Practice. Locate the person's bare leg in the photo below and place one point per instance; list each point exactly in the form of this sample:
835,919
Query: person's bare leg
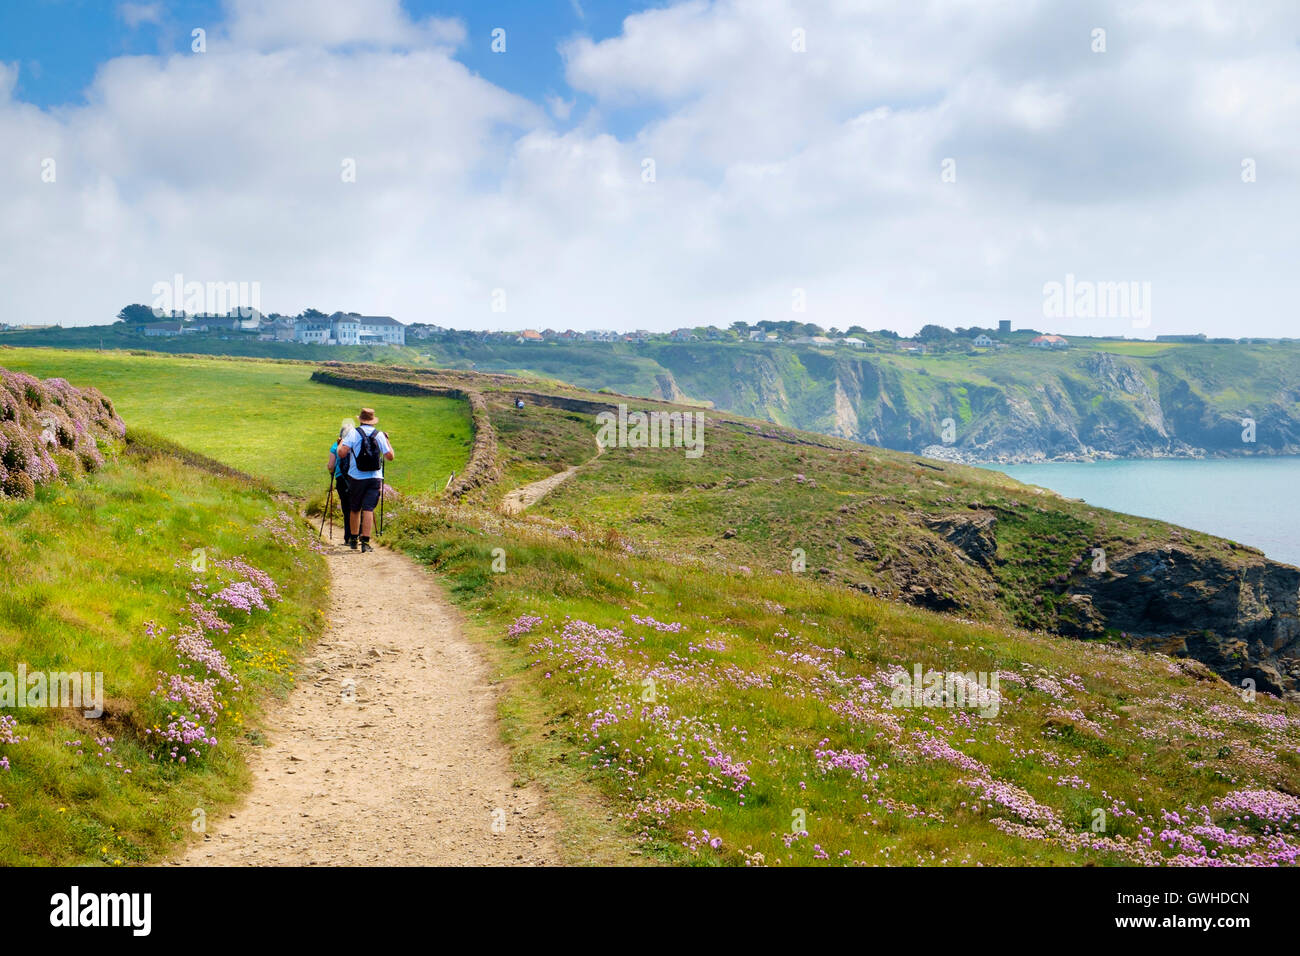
367,523
354,519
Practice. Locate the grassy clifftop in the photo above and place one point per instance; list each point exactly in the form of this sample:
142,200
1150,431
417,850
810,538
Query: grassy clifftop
719,644
1096,398
737,716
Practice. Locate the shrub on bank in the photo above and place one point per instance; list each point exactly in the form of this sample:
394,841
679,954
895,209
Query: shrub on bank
50,429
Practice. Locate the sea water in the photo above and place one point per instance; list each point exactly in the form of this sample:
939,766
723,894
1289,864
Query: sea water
1249,500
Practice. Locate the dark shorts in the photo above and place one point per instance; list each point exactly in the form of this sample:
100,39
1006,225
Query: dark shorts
363,493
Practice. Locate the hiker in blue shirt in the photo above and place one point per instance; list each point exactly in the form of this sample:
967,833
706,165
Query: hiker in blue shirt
365,452
341,482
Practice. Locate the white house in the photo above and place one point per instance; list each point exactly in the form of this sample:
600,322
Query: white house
349,328
312,333
982,341
854,342
1049,342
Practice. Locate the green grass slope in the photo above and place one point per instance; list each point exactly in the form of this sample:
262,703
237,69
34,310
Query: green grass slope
869,518
140,573
745,718
264,418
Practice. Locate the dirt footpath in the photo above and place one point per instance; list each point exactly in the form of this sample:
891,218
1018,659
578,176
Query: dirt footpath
387,751
519,499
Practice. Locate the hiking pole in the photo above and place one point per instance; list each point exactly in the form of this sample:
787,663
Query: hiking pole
382,481
329,497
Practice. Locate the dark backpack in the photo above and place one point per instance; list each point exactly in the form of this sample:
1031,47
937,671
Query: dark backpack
369,454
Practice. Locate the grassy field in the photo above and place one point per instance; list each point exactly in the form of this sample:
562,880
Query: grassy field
264,418
137,571
1141,349
745,718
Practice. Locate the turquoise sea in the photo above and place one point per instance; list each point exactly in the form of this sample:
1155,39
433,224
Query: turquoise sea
1253,501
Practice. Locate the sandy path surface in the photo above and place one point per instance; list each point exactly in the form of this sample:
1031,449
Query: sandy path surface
387,751
522,497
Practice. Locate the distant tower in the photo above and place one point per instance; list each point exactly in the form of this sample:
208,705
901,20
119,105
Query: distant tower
1004,325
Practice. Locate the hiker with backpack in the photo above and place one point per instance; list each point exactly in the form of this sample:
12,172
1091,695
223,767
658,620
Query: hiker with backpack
365,450
337,469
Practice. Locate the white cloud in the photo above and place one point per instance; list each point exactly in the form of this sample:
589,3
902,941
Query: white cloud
774,169
134,14
262,25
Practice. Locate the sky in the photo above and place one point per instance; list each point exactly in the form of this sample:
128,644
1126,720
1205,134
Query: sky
1092,167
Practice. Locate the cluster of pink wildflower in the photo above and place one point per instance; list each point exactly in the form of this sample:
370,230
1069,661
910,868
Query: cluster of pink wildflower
677,766
1265,806
522,625
196,704
736,772
208,619
8,735
254,576
192,646
695,841
674,627
200,701
242,596
582,646
199,697
859,765
284,530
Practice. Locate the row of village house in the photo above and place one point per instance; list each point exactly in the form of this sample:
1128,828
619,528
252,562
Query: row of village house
755,335
341,328
350,328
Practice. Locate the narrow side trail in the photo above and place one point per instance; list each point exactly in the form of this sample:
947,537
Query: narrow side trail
387,751
524,496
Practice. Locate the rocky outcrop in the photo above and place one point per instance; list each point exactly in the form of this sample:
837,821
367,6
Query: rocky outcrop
1232,610
972,535
666,389
1238,617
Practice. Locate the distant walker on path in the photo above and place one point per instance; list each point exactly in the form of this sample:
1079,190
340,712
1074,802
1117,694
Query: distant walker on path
365,452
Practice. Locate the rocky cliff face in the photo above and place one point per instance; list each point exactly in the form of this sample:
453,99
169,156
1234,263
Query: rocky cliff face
1241,620
1019,408
1108,409
1235,612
